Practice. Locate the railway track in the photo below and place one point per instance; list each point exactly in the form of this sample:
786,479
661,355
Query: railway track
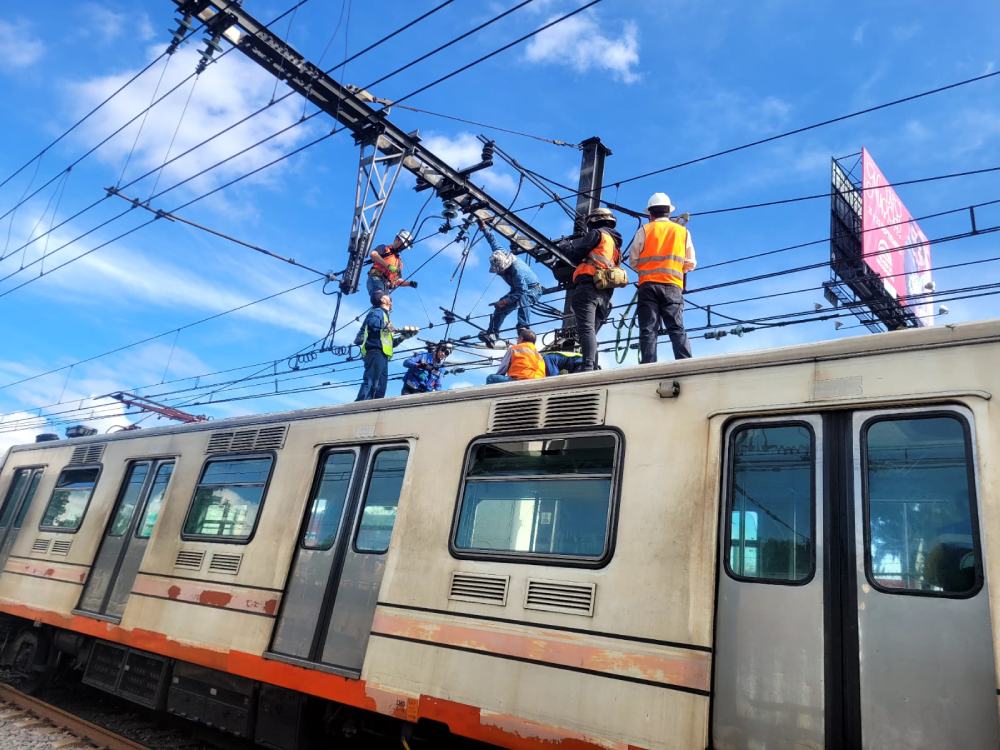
66,731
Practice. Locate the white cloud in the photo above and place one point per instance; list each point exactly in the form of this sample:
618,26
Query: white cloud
19,48
225,93
102,23
19,435
581,43
464,150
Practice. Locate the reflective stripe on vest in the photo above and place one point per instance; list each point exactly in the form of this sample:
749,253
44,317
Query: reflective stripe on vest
605,255
385,335
389,267
664,251
525,362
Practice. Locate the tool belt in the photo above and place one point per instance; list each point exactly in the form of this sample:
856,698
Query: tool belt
610,278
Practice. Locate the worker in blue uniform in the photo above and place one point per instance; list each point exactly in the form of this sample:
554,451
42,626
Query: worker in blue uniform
424,371
525,289
557,363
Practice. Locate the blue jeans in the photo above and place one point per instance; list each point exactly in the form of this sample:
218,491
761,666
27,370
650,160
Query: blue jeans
494,378
523,302
377,284
376,376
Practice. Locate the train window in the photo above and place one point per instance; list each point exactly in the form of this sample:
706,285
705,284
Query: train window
17,485
326,509
228,497
130,496
69,500
152,511
771,503
381,500
920,506
541,498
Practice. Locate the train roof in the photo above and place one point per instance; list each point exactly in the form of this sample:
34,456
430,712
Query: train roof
936,337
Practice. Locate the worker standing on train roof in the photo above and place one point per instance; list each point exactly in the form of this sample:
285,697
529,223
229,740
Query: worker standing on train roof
376,340
521,362
525,289
598,273
662,252
387,265
424,371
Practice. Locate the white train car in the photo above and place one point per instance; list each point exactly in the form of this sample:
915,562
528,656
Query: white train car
783,549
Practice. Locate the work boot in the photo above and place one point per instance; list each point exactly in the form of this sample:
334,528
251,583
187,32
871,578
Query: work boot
488,338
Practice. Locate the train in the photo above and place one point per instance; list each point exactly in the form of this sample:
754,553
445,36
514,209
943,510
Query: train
786,548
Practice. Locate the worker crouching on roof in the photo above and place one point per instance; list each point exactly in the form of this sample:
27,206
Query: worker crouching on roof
387,265
562,363
521,362
423,371
376,341
525,289
598,253
662,252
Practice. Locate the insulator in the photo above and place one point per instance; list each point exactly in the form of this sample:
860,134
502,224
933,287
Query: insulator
488,151
449,210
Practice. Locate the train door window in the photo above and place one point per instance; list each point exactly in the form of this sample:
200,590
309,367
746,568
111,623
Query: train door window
771,523
326,510
17,487
130,496
151,513
228,497
69,500
922,535
545,498
22,511
381,500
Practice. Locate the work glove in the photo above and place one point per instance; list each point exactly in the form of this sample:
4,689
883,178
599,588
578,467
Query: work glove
412,284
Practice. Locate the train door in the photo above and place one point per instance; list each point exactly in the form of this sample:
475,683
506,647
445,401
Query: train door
867,624
125,538
15,507
329,602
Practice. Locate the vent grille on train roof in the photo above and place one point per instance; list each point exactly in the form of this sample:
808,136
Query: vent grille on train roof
41,546
223,563
560,596
61,546
479,587
87,454
189,559
570,409
254,439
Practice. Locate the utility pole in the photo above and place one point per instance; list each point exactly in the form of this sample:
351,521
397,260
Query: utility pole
385,148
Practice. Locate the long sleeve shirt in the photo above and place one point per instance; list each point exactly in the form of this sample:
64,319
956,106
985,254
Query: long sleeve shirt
635,248
579,247
422,372
519,276
505,362
375,321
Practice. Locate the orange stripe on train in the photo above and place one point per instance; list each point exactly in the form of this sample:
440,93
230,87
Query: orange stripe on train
506,730
217,595
46,569
664,664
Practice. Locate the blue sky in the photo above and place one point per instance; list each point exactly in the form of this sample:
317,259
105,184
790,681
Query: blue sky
659,82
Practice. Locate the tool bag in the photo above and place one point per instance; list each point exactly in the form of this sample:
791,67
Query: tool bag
610,278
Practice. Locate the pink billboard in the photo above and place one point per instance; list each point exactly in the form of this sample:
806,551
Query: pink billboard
893,244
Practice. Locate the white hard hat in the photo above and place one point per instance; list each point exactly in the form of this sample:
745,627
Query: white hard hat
404,235
660,200
500,261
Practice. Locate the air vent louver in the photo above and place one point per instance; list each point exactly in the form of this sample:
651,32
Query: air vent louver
41,546
61,546
236,441
222,563
479,587
189,559
87,454
572,409
560,596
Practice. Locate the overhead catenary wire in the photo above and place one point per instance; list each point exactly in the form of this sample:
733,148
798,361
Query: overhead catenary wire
777,136
298,123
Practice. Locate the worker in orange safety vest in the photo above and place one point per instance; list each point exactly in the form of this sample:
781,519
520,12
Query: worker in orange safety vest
387,266
662,252
521,362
